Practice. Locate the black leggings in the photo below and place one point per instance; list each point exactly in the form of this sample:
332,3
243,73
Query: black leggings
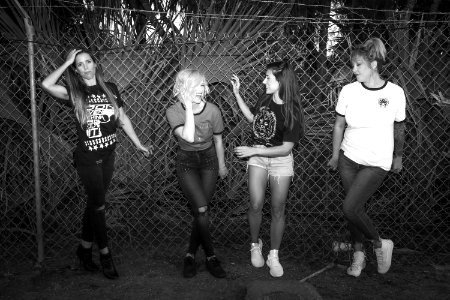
360,183
96,179
197,173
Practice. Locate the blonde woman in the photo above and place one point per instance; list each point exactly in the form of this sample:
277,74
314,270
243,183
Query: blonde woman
197,125
98,108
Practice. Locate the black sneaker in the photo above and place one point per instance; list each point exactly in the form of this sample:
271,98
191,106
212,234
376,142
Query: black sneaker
213,266
189,268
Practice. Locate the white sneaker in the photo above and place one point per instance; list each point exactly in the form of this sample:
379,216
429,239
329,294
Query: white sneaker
384,255
276,270
257,257
358,264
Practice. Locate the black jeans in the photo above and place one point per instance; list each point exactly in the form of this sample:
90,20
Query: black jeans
197,173
360,183
95,179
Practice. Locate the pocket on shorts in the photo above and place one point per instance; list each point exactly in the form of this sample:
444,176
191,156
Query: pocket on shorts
287,160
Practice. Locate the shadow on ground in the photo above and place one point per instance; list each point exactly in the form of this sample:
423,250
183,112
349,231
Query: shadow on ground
144,277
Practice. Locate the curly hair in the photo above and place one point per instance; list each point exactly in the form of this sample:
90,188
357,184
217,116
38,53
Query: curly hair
186,80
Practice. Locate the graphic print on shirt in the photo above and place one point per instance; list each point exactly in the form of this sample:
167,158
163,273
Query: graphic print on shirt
100,111
383,102
265,124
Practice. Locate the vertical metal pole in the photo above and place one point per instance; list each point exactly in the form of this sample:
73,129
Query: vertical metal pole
34,123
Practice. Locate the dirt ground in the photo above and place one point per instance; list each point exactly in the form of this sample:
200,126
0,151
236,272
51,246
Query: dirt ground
157,278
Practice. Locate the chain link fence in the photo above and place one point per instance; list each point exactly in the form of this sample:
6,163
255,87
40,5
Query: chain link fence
146,209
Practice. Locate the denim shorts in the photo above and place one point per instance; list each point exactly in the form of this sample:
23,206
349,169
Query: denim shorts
198,160
275,166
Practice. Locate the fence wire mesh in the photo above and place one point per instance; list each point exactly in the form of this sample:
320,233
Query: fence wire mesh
146,208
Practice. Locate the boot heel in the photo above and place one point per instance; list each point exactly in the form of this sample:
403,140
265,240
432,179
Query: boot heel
108,267
85,257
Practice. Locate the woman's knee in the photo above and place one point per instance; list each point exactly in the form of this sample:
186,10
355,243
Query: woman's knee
278,211
96,197
202,217
96,204
255,207
203,209
201,212
350,210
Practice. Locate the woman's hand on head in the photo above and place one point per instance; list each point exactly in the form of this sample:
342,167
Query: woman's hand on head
235,83
71,55
187,97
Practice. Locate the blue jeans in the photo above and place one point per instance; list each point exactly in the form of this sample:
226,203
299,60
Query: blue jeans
197,173
360,183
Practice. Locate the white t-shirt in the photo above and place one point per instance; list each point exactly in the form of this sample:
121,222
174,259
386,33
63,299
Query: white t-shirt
370,115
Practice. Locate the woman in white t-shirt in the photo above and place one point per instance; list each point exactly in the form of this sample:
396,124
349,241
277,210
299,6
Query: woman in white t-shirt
368,140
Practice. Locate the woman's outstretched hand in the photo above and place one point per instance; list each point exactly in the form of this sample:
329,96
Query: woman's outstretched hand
333,163
244,151
147,151
235,83
223,172
397,164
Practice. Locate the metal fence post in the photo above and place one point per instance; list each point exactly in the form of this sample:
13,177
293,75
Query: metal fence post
37,180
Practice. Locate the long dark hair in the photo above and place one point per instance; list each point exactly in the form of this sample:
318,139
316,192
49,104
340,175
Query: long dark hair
78,90
289,92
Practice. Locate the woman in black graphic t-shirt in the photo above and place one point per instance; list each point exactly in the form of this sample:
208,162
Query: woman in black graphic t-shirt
277,124
98,108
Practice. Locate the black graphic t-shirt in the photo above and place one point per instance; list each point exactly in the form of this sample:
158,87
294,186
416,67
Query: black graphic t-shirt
268,126
98,137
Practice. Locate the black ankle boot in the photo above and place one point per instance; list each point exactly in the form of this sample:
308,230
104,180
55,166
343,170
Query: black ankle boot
214,267
108,267
189,267
85,256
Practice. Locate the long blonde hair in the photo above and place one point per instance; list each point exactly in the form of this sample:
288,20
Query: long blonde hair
78,90
185,81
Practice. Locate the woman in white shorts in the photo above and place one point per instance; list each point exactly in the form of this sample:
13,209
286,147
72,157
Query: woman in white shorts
277,124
